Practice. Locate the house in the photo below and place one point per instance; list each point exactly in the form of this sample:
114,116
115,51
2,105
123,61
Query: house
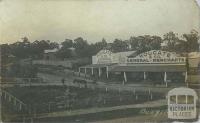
50,54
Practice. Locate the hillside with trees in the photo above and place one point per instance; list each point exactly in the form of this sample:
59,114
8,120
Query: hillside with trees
13,55
79,47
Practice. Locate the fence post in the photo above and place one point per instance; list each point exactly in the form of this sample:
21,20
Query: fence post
14,101
9,98
20,106
31,120
104,101
134,91
119,90
120,98
151,96
24,120
5,95
149,91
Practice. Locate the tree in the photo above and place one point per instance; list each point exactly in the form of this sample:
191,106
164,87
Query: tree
98,46
155,43
25,49
181,46
21,49
192,41
81,47
5,61
134,42
68,43
171,38
119,46
101,45
65,51
38,47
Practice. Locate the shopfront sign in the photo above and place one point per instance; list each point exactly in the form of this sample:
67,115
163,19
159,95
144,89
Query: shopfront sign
157,56
104,57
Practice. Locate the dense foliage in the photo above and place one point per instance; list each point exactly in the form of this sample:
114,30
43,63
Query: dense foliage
79,47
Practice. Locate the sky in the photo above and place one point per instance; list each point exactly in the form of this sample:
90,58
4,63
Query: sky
56,20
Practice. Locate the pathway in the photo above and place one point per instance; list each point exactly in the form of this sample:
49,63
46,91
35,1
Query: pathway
149,104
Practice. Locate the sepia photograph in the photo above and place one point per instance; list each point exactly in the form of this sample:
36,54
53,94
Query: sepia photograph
99,61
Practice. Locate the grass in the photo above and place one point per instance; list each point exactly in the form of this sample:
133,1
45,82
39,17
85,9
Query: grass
38,98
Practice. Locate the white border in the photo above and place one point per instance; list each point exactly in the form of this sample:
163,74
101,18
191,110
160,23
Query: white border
198,2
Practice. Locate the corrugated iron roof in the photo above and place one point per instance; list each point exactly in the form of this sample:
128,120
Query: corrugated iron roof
125,53
97,65
51,51
150,68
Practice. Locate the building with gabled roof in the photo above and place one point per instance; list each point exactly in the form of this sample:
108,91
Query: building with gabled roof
144,66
